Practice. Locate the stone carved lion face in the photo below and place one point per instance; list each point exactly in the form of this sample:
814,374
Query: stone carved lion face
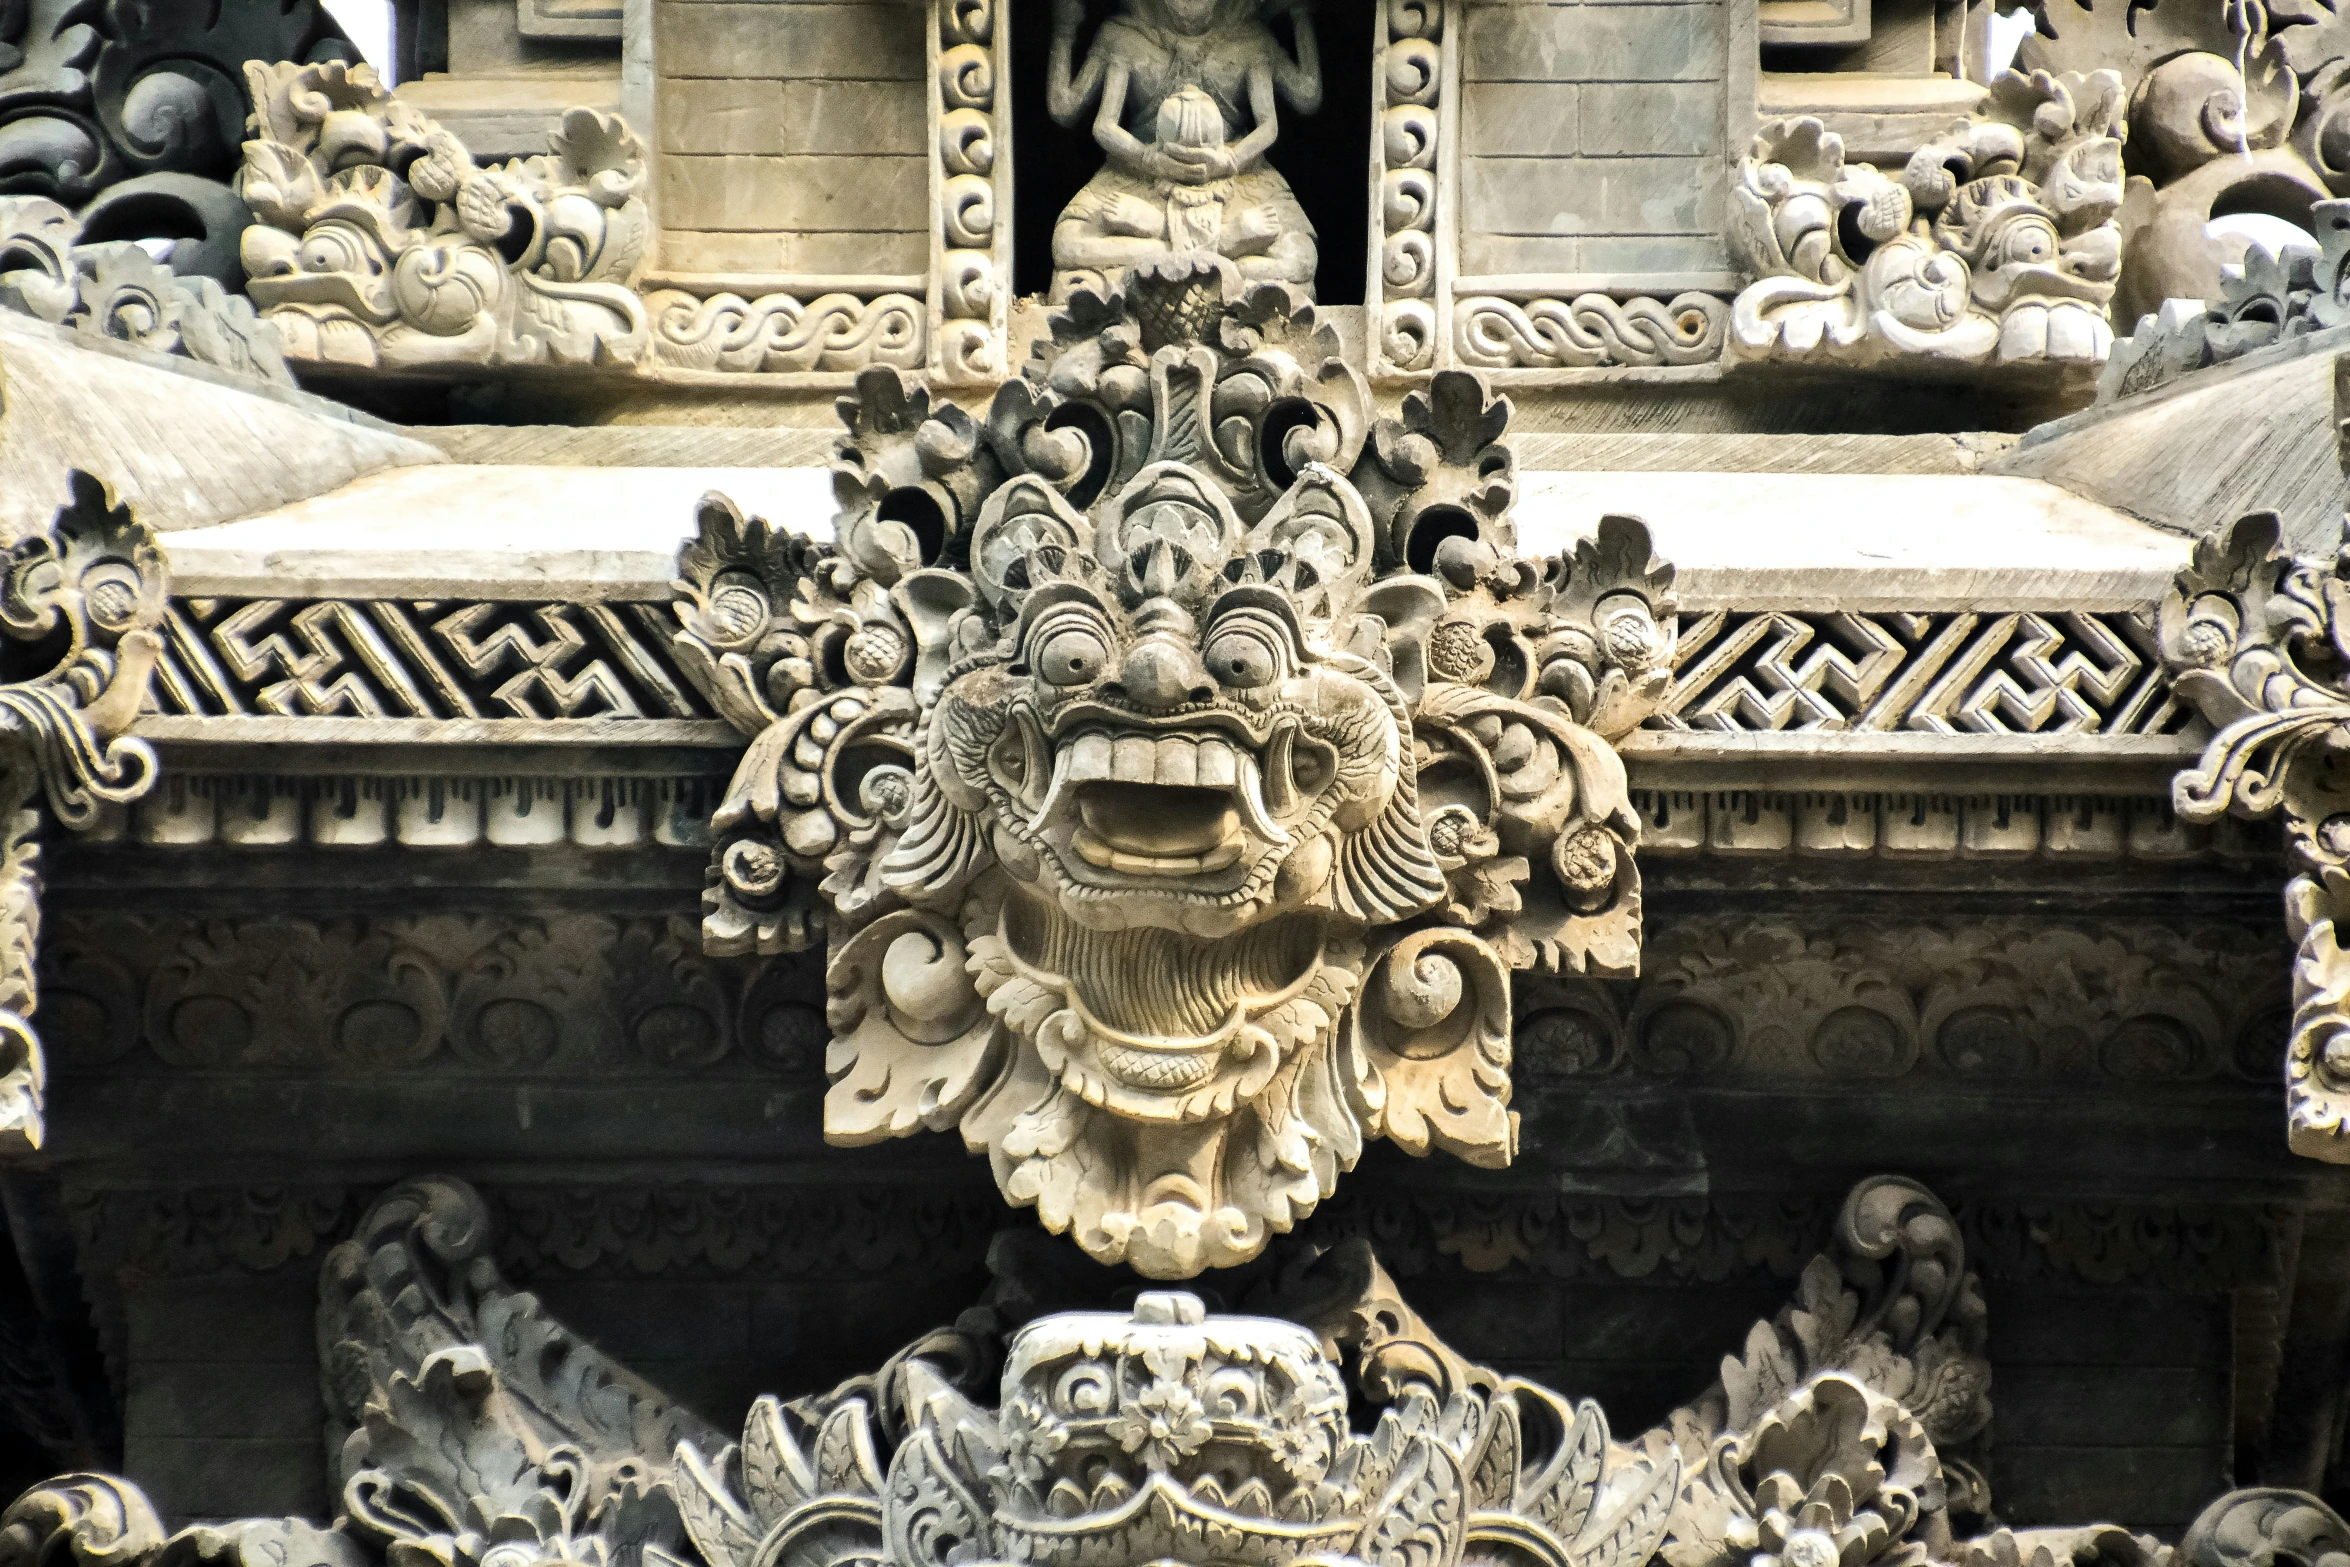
1178,765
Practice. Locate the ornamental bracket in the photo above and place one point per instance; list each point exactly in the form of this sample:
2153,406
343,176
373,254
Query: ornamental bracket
79,605
2259,642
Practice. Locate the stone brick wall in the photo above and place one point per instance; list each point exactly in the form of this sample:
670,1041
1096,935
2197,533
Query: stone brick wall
1591,137
791,137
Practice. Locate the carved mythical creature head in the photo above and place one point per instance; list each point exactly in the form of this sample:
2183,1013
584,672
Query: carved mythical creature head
1184,764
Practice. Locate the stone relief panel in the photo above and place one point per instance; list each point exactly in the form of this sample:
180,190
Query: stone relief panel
2274,297
2252,636
1997,243
1178,665
1850,1425
379,243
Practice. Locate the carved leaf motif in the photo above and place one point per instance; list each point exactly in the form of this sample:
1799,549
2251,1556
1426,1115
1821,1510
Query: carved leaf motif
714,1520
1419,1522
1632,1534
934,1519
1562,1497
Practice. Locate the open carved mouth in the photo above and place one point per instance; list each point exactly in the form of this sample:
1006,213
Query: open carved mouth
1160,803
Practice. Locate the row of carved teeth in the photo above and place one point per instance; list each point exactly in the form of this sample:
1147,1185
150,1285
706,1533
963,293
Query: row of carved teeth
1253,1499
1169,761
1095,852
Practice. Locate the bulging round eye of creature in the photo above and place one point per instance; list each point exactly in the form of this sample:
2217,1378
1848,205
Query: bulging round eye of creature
1246,648
1069,648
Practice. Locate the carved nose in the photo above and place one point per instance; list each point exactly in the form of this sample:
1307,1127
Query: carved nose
1160,673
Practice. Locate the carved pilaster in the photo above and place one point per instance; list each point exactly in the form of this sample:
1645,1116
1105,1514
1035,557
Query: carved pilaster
971,187
79,604
2257,640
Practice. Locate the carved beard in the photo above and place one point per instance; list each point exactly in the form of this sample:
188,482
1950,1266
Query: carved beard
1170,1183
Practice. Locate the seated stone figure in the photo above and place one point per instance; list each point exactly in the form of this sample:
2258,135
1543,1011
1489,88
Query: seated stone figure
1173,79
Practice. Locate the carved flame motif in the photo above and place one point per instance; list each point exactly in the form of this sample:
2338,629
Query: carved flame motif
1177,763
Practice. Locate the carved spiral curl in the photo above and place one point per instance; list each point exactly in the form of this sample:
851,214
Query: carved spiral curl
1407,263
966,77
1407,334
967,350
1407,199
1416,19
967,284
966,142
967,212
1590,329
1408,135
1415,71
966,22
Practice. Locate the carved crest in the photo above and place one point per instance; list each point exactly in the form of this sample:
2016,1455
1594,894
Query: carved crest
1177,763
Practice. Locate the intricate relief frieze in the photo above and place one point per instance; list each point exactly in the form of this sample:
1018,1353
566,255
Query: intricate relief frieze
1588,329
116,290
379,243
525,997
1983,672
1744,997
1996,243
82,599
2253,638
1178,764
401,658
469,1427
776,333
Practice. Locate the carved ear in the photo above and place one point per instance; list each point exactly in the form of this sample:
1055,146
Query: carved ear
1407,608
930,600
913,1042
1435,1025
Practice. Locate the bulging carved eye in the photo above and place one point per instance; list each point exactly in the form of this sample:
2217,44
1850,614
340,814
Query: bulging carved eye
1070,651
1245,649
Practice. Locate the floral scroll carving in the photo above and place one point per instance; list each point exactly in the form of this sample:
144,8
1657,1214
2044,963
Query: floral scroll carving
1996,243
87,594
2255,638
380,243
476,1430
1177,763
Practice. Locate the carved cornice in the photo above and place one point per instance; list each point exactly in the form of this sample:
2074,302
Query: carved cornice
2254,638
1860,1409
81,601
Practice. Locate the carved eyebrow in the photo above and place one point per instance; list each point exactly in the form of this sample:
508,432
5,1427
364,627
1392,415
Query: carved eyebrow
1251,596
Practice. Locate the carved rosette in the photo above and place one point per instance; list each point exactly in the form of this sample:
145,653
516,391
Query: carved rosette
81,601
472,1429
2255,639
1177,763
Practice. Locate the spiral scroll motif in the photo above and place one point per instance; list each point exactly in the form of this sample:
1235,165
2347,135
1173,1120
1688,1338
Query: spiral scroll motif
1411,78
1589,329
966,257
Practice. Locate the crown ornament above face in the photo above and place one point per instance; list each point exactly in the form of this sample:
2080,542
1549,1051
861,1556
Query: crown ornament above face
1177,764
